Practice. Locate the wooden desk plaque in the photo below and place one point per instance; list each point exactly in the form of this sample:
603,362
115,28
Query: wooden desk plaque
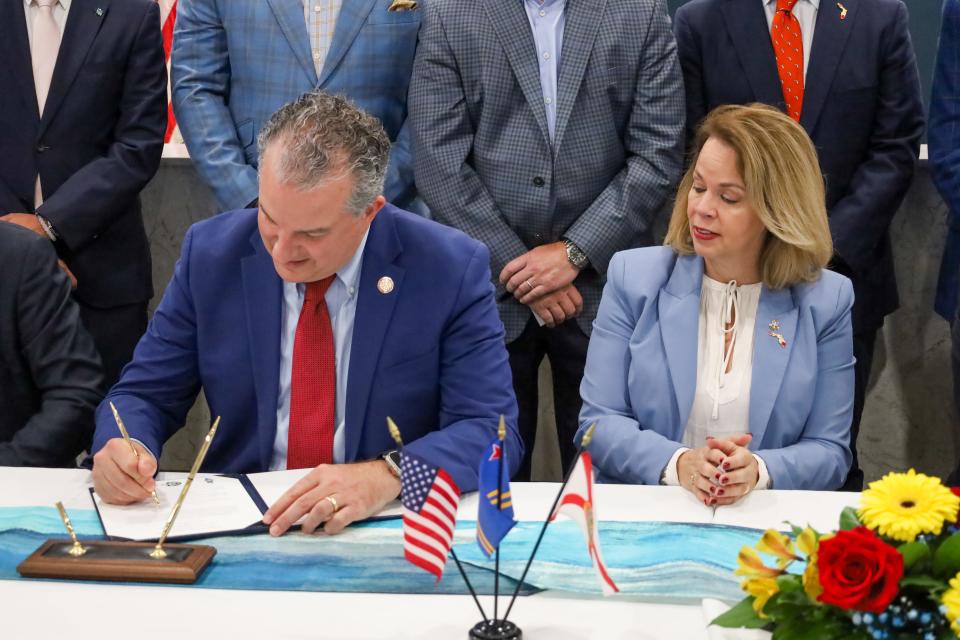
124,561
117,561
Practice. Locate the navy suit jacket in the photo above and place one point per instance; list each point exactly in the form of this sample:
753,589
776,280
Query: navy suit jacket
96,146
430,354
944,137
641,373
861,107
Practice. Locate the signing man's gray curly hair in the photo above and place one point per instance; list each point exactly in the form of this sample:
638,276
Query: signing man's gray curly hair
320,137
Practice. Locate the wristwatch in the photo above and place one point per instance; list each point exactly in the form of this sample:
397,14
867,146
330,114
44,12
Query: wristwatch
575,255
392,458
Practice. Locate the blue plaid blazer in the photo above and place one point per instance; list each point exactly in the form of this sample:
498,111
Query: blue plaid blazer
235,62
483,157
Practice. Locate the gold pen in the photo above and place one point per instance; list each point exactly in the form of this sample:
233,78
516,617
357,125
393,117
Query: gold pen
126,437
158,551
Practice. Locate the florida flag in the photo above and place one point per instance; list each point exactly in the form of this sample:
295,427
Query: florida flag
495,514
430,498
576,502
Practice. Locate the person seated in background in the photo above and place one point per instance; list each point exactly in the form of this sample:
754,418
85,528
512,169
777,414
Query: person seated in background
310,320
50,373
723,361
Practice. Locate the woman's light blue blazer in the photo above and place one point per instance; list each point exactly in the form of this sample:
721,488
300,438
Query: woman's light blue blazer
641,373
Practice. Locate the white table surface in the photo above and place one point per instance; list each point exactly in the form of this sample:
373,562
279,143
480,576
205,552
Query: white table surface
41,609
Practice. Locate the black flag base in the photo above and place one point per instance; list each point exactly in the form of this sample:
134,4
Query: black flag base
495,630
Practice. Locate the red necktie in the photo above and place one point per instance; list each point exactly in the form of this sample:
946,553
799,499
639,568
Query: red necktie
788,48
313,383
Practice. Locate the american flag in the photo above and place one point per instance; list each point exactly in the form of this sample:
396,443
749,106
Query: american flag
430,498
168,16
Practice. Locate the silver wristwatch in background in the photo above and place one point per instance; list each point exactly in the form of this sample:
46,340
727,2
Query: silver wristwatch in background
575,255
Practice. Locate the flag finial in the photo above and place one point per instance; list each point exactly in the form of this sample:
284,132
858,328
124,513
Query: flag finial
588,436
394,431
502,430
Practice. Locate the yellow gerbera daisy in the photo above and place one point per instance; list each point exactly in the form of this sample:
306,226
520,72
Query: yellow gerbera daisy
951,600
762,589
904,505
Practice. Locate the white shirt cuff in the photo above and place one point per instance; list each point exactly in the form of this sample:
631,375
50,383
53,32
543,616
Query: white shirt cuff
764,481
669,476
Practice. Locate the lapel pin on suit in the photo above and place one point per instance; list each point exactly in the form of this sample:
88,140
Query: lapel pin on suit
843,11
774,332
99,12
402,5
385,285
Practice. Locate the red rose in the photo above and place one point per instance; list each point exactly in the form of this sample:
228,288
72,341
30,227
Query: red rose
858,570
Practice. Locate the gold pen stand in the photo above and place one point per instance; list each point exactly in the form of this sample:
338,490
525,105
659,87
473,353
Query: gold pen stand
118,561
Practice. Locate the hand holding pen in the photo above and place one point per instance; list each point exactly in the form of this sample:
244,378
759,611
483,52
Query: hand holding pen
120,478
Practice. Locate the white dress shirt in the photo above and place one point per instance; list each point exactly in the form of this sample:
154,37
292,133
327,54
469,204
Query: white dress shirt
721,402
806,13
341,299
60,11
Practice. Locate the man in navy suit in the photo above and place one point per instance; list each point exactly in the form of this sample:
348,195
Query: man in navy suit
310,320
83,109
944,137
860,103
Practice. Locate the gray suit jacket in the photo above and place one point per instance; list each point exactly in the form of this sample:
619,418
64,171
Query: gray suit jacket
484,162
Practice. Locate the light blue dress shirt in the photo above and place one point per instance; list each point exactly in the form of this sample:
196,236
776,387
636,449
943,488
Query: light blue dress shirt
341,299
547,21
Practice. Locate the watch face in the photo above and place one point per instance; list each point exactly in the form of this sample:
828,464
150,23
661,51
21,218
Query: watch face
393,461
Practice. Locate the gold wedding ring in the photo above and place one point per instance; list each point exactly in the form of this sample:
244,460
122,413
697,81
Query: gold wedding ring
693,479
529,286
333,503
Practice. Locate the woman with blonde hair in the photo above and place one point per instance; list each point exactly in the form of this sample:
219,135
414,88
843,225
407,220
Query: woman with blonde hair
723,361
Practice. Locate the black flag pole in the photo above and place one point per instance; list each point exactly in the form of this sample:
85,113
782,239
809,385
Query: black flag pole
496,629
395,434
501,435
584,442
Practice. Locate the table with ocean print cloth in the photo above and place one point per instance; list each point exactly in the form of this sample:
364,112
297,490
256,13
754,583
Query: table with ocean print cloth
671,557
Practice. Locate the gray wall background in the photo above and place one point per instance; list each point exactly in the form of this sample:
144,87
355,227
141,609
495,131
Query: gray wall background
908,420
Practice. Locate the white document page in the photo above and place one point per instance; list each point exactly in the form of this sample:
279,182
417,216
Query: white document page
213,505
273,484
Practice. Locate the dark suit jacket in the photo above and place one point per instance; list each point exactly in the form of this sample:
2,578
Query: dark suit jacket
98,143
49,370
861,106
944,137
429,353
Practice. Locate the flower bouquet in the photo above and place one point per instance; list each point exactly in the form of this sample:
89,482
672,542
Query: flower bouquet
891,571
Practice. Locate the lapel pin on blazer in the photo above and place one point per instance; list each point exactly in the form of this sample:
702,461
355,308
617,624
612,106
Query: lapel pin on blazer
843,11
99,12
402,5
385,285
774,332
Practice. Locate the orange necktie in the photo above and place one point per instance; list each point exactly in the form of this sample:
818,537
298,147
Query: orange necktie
313,383
788,48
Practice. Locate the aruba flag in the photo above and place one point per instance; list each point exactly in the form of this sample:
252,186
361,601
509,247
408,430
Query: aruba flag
493,523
